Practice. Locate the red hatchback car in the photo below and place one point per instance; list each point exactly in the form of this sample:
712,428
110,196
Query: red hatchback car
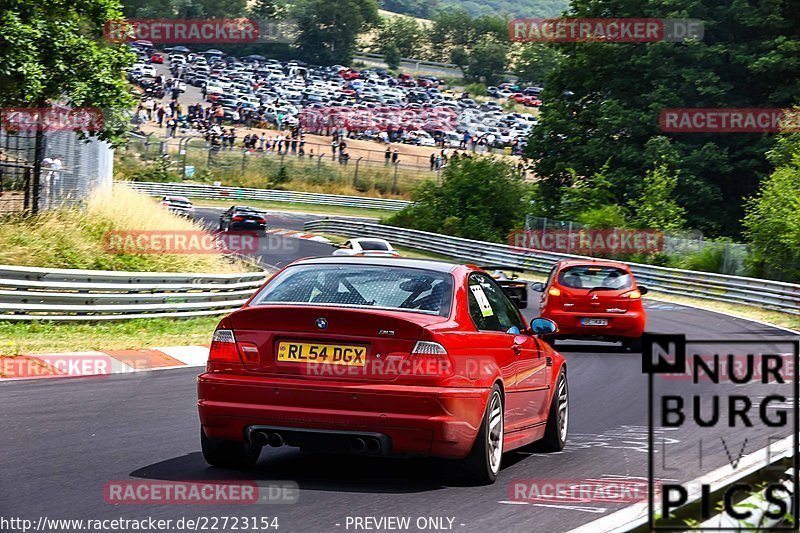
594,299
382,356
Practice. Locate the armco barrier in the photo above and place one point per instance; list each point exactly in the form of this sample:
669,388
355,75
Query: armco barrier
241,193
28,293
767,294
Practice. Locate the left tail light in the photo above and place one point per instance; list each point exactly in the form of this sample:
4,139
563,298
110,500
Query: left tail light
430,359
633,295
223,348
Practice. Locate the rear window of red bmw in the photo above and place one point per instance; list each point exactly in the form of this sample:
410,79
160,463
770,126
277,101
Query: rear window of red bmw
594,277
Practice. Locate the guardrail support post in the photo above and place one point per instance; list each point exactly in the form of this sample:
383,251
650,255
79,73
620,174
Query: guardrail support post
147,145
355,175
184,151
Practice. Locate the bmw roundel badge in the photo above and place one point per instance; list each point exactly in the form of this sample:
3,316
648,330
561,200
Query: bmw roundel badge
322,323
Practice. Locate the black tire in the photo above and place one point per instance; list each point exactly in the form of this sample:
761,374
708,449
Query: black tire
482,464
555,435
632,345
227,453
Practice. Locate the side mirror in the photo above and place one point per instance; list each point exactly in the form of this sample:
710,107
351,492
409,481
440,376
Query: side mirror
643,290
539,286
543,326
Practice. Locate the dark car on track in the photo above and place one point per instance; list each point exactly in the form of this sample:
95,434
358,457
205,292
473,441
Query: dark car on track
382,356
242,217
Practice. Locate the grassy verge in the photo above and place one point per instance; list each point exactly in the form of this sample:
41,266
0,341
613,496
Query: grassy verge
76,237
44,337
300,207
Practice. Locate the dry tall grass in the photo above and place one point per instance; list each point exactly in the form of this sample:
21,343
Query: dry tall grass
75,237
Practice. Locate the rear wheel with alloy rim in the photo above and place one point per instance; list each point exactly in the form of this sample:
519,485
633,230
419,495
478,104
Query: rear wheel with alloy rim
555,434
483,461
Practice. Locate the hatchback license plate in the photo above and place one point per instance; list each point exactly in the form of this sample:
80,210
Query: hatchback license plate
332,354
594,321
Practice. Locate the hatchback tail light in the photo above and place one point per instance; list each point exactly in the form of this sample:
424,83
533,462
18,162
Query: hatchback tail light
633,295
223,348
554,291
238,218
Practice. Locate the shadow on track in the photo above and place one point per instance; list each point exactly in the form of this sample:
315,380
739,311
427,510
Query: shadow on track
318,471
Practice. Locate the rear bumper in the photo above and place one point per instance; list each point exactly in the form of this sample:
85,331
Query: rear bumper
628,325
416,420
247,226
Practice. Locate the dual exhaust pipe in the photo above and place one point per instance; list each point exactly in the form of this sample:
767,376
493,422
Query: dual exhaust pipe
263,438
365,445
358,445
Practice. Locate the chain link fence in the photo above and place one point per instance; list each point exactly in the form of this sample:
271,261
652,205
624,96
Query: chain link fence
68,169
316,165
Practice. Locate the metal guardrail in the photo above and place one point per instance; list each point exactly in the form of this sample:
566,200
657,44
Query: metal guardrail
243,193
28,293
779,296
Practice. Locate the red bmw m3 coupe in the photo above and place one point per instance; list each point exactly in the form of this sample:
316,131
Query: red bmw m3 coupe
382,356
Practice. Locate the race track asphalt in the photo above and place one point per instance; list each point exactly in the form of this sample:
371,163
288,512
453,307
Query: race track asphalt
63,440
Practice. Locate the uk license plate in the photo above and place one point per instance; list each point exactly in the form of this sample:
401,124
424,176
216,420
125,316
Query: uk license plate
332,354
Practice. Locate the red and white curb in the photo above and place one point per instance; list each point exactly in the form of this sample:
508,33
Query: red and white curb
93,363
299,235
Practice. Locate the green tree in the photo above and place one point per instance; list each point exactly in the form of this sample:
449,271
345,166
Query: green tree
605,98
404,32
479,199
328,30
534,61
657,208
772,223
264,9
486,61
392,56
460,57
55,52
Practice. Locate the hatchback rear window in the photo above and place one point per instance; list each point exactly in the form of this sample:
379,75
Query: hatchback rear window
595,277
381,287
